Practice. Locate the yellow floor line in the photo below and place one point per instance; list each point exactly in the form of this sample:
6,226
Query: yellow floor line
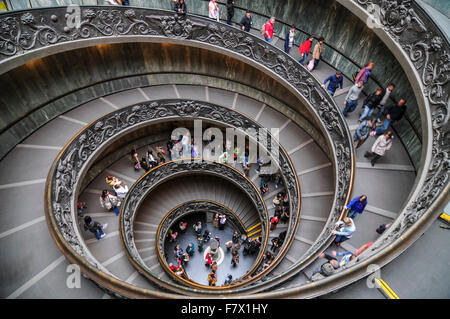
387,289
253,227
445,217
255,232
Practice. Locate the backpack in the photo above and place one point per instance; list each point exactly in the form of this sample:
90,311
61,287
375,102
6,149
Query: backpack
354,75
263,29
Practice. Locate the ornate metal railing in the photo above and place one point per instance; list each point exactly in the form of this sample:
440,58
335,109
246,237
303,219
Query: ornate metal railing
173,169
188,208
73,162
424,53
406,29
44,31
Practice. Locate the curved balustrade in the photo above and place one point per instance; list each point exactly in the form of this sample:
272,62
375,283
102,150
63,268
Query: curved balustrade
188,208
71,164
142,187
337,57
425,54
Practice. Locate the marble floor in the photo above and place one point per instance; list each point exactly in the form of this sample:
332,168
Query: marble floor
196,268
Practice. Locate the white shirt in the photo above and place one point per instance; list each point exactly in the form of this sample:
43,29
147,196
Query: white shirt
213,10
385,97
121,191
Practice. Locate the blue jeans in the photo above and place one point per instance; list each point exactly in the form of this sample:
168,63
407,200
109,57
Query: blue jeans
99,233
350,106
380,111
302,60
353,214
367,112
385,126
316,62
259,167
267,39
331,90
340,238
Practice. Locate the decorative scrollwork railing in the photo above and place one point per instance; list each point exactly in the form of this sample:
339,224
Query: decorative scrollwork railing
419,43
71,164
45,30
188,208
173,169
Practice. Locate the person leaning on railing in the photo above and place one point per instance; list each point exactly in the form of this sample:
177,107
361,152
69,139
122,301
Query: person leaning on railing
344,230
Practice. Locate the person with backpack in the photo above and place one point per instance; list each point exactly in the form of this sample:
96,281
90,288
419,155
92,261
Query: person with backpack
364,73
267,29
305,49
356,206
362,132
351,100
289,39
379,148
344,230
335,81
246,22
94,227
370,103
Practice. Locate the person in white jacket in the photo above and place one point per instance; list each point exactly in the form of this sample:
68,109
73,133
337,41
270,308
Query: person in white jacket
381,145
121,190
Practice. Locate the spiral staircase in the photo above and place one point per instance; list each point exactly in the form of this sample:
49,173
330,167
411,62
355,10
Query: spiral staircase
59,151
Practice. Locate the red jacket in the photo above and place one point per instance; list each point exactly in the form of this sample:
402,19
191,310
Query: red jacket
268,29
305,47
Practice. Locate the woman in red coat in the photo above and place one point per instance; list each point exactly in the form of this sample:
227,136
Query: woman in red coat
305,49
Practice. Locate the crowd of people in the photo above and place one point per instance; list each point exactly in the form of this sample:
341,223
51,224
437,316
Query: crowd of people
376,116
236,244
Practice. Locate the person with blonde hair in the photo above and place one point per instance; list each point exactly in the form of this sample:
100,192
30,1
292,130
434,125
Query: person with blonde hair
344,230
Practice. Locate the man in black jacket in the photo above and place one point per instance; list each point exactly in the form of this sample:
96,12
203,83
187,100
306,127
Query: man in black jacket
246,22
394,113
371,103
230,11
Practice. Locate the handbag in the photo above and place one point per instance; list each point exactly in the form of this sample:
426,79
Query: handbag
116,209
311,65
137,166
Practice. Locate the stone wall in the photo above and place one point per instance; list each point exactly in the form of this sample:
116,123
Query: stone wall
45,88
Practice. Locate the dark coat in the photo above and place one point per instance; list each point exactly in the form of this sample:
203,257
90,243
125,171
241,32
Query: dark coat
396,112
373,100
246,22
